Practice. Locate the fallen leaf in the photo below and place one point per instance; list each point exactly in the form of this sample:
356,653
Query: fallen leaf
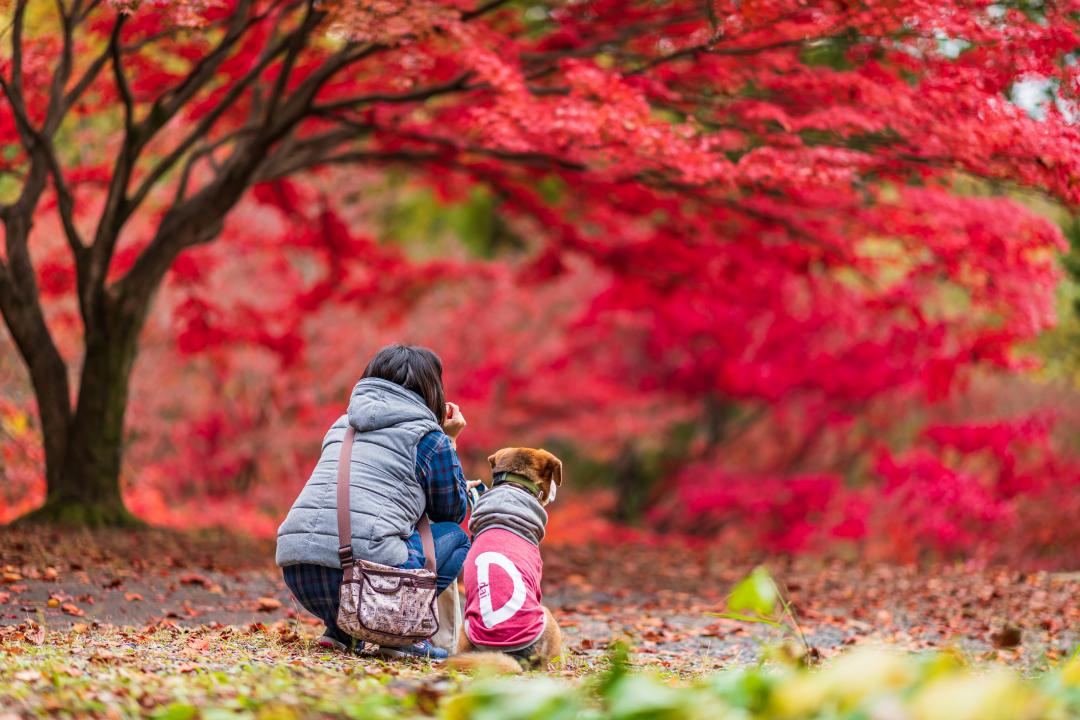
194,579
199,644
36,636
53,603
1009,636
11,577
71,609
133,597
268,604
27,675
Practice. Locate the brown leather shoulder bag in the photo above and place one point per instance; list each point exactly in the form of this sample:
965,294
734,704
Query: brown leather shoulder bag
382,604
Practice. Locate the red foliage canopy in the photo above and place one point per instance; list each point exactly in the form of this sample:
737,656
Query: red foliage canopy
769,204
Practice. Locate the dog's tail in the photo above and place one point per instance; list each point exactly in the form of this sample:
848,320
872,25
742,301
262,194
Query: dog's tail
496,663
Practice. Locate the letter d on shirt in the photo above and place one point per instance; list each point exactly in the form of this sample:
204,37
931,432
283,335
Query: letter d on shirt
490,616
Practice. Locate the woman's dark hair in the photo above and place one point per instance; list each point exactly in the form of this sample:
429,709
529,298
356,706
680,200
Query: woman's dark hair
414,368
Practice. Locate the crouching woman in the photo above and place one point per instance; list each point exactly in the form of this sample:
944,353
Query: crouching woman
404,464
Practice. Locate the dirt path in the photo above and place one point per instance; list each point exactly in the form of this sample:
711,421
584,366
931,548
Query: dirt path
659,599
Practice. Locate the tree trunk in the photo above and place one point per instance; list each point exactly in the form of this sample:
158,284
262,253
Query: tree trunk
84,482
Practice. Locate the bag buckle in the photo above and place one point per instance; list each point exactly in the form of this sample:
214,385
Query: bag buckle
345,555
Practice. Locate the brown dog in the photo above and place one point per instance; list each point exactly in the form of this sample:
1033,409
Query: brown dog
508,524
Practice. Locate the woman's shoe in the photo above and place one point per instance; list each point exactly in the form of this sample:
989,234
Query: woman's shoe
330,643
419,650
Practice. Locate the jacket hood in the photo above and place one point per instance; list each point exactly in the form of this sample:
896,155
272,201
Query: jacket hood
511,508
376,404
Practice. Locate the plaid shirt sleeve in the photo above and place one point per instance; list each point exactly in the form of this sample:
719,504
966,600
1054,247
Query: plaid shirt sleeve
439,471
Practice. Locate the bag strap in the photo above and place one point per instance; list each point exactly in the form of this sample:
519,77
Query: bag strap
344,516
424,526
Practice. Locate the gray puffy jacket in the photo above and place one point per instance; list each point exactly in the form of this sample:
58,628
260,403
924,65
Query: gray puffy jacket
385,497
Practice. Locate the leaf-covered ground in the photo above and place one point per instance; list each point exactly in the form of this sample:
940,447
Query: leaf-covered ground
154,620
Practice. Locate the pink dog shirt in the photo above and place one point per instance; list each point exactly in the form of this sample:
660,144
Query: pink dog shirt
502,591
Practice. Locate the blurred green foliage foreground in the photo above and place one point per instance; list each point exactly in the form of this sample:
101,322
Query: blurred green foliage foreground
863,684
177,675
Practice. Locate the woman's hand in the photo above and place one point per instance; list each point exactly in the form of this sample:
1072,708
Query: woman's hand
455,421
474,489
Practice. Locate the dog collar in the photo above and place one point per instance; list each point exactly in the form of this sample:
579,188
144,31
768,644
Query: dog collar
509,478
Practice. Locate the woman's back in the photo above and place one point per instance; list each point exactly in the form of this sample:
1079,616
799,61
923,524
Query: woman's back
386,499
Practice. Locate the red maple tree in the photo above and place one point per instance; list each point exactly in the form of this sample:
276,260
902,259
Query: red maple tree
769,192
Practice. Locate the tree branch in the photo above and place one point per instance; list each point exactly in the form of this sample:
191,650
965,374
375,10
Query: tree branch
117,205
458,83
14,90
198,218
295,44
207,122
20,301
194,157
122,87
83,83
482,9
173,99
38,143
91,6
306,153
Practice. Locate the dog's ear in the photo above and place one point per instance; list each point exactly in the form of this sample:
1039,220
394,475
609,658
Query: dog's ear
553,467
492,459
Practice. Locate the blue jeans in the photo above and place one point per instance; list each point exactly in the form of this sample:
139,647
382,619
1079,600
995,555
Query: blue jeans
317,588
451,546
